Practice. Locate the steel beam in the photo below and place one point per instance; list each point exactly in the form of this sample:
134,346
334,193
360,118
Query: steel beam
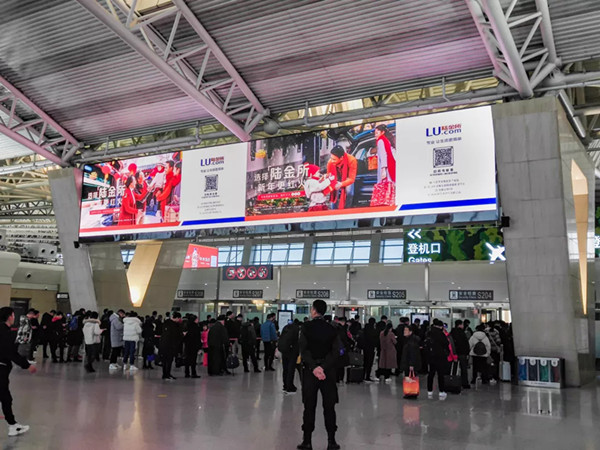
512,64
164,55
32,133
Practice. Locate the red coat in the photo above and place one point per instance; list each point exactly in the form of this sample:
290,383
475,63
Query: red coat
391,161
128,210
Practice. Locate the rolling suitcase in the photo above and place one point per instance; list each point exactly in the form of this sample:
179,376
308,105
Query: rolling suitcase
505,374
453,383
354,374
356,359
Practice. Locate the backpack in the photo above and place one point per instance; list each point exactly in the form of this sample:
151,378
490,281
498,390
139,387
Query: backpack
232,362
479,348
245,334
73,324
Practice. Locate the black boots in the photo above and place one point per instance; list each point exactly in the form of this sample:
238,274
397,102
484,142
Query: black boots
331,443
306,442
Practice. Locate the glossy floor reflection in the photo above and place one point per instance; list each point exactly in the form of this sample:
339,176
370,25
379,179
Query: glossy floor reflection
68,409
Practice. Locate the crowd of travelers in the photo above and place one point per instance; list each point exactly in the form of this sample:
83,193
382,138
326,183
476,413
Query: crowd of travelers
420,348
352,350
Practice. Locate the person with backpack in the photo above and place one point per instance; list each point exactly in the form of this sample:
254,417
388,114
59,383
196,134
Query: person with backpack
480,351
496,350
75,336
289,348
248,342
438,351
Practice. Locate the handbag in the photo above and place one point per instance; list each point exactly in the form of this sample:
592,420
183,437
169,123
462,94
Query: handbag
384,194
410,385
372,163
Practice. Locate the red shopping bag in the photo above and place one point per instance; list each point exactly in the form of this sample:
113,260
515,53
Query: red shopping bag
384,194
410,385
205,359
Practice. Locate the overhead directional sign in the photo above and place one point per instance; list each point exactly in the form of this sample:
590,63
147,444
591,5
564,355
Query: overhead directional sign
415,234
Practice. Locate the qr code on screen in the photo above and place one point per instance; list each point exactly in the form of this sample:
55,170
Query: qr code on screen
211,183
443,157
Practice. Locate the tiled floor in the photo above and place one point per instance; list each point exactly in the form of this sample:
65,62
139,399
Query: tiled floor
68,409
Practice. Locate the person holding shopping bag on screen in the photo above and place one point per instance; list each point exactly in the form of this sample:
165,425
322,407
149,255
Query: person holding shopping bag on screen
384,192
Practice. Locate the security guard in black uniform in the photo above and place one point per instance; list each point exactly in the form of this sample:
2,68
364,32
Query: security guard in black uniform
320,350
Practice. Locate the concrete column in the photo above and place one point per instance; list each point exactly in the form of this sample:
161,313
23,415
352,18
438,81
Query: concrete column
8,266
549,248
247,251
375,247
65,185
309,242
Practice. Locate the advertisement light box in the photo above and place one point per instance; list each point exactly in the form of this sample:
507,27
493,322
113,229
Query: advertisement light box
201,257
430,164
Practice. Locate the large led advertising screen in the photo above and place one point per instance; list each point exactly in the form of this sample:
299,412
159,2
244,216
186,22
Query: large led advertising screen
430,164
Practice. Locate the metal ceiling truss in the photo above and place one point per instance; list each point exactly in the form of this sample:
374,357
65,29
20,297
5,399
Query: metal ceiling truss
38,132
170,55
525,65
27,208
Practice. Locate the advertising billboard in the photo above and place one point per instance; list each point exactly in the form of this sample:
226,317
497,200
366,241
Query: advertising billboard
201,257
135,193
431,164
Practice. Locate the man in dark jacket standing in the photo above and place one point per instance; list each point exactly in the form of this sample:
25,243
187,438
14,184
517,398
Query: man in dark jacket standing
192,343
8,355
248,341
438,351
218,342
46,324
370,341
319,349
170,342
461,344
289,346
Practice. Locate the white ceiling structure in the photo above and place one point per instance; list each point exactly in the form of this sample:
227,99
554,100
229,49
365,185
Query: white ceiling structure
80,77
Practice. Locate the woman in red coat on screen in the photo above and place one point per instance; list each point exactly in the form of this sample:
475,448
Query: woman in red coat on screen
128,209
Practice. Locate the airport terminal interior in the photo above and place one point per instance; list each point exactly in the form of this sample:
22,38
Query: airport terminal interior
216,215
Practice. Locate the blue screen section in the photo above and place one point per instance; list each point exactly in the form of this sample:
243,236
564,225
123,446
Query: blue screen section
448,204
209,221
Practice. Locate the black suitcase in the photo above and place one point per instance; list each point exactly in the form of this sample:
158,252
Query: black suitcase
453,383
354,374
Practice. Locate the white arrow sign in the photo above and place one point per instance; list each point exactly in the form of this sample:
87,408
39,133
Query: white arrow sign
415,234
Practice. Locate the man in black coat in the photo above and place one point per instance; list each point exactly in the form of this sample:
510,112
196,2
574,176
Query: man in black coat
46,323
248,342
319,349
170,342
218,343
370,341
461,345
8,355
289,346
192,342
438,351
